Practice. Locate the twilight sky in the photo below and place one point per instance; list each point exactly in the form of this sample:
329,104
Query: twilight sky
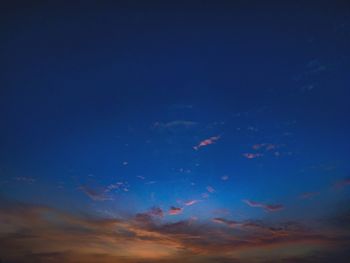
175,131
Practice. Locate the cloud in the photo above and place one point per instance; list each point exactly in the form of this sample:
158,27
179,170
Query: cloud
30,233
225,177
210,189
94,195
264,146
252,155
116,187
207,142
25,179
156,211
175,210
266,207
174,125
205,195
229,223
191,202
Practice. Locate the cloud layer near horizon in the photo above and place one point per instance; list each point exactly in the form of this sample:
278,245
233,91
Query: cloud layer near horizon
42,234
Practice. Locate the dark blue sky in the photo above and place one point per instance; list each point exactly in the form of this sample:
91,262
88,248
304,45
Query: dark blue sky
241,107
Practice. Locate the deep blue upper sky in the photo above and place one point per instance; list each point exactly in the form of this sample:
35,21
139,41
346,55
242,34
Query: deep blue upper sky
101,106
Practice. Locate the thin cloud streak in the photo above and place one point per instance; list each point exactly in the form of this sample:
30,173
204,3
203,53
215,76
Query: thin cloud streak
206,142
266,207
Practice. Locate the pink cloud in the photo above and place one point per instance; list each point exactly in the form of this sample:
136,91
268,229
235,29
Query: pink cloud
252,155
207,142
210,189
175,210
266,207
191,202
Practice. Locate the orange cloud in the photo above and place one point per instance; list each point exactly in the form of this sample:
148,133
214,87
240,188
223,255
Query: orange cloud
42,234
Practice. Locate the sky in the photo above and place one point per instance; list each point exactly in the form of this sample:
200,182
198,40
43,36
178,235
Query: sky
174,131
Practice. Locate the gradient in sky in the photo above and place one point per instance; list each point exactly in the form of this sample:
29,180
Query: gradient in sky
175,131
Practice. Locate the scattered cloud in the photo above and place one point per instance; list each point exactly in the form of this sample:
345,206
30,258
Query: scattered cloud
252,155
229,223
265,146
118,186
205,195
207,142
191,202
174,125
153,212
32,233
95,195
225,177
25,179
266,207
175,210
210,189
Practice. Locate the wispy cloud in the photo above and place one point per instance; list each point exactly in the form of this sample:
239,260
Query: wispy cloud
174,125
252,155
152,212
265,146
25,179
210,189
207,142
95,195
175,210
266,207
225,177
118,186
191,202
229,223
205,195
